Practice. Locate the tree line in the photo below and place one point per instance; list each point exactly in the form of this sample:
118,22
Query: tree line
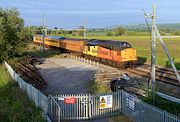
13,34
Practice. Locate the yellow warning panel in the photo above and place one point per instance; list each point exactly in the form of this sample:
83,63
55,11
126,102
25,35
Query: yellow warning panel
106,101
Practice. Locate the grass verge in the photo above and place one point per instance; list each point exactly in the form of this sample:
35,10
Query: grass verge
97,87
163,104
15,106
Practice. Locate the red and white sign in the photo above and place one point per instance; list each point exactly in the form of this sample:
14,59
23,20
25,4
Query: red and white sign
70,100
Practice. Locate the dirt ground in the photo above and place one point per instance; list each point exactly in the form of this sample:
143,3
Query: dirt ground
69,76
66,76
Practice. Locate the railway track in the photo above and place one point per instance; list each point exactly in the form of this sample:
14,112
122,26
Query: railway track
165,75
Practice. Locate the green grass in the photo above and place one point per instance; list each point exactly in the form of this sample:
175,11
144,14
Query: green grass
14,104
35,51
97,87
142,45
163,104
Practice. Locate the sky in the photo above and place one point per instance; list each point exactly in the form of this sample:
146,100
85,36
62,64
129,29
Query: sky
98,13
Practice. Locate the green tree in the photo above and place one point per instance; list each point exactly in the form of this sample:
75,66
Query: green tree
80,32
109,33
13,35
36,29
120,31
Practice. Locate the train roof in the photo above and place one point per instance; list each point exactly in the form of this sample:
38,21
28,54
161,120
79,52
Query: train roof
53,37
75,39
111,44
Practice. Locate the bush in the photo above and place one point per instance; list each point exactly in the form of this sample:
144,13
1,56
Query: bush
109,33
119,31
97,87
80,33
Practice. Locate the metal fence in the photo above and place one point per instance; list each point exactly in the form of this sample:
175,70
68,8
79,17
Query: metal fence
34,94
140,111
89,107
86,106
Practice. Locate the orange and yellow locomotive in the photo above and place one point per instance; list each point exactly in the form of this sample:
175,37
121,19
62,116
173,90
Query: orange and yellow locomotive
109,51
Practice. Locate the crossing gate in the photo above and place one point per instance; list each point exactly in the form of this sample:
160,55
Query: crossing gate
84,106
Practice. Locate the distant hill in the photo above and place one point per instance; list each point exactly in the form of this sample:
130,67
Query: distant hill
174,26
141,27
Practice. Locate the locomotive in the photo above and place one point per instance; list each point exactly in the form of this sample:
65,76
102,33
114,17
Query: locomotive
116,53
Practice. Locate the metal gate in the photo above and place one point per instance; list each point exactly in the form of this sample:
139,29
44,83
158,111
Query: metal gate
73,107
84,106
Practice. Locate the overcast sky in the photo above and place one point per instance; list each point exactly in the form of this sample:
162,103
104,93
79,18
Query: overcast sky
99,13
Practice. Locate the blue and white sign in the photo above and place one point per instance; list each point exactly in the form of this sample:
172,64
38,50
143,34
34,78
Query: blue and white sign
130,102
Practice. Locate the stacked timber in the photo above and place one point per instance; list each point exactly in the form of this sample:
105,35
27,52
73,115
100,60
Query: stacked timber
32,75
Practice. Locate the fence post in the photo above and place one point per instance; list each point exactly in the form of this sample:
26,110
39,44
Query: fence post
89,104
21,83
38,102
139,120
164,116
59,118
13,75
122,101
49,107
30,92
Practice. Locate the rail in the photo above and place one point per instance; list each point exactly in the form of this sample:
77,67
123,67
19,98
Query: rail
162,75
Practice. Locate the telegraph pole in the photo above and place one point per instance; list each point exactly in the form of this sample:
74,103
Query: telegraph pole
84,27
44,33
153,52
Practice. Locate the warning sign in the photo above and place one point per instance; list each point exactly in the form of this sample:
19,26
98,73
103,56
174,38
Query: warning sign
106,101
70,100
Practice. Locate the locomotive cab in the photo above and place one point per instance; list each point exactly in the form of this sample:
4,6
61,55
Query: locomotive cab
128,54
90,50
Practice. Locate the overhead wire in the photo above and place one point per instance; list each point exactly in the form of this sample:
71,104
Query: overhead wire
101,19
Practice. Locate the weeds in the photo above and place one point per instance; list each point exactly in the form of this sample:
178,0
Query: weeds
14,104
